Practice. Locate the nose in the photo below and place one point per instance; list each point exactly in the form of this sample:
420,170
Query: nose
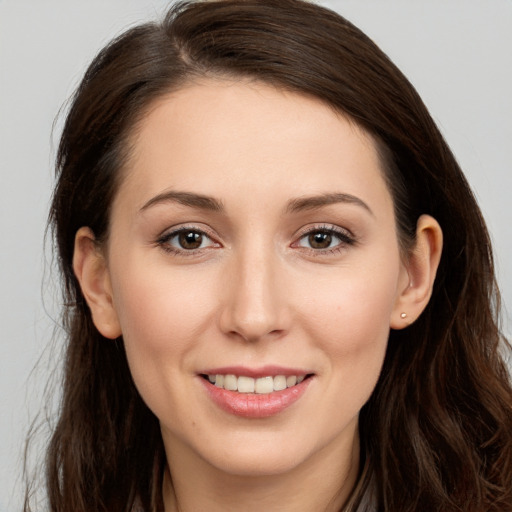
254,305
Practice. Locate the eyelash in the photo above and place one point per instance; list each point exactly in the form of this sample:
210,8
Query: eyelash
164,241
344,236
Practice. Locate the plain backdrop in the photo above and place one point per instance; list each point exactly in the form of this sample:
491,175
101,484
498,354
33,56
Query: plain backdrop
457,53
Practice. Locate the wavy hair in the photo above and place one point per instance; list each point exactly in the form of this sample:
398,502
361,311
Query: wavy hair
438,428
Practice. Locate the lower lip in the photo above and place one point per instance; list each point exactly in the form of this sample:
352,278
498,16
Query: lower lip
252,405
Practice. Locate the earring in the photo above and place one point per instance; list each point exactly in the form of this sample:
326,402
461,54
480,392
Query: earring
403,315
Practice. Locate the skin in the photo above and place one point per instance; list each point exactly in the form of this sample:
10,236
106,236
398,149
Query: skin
256,292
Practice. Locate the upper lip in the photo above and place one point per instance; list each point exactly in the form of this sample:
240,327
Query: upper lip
262,371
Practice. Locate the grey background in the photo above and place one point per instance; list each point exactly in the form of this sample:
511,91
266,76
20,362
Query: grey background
458,54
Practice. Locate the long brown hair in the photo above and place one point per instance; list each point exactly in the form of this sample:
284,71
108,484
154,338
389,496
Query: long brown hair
437,430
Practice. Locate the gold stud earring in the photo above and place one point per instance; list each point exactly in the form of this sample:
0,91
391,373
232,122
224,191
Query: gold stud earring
403,315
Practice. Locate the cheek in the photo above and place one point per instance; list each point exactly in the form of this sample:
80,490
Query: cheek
350,319
353,303
161,314
161,303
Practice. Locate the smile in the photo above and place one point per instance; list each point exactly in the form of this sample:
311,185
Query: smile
261,385
261,396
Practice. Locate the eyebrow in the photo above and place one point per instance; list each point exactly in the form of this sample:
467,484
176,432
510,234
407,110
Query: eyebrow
295,205
317,201
186,199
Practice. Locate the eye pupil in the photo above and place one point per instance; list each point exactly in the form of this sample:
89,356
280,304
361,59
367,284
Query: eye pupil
190,239
320,240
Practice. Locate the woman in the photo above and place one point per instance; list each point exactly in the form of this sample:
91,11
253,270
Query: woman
280,288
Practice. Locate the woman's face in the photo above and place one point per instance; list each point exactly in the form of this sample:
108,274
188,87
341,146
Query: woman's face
253,241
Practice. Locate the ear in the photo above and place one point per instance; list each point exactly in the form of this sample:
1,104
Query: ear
91,270
419,272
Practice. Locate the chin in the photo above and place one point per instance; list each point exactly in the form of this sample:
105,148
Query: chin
273,452
259,462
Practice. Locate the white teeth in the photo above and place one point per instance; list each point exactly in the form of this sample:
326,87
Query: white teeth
262,385
245,384
219,381
279,383
291,381
230,382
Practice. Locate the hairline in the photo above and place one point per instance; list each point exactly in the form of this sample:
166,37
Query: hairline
130,134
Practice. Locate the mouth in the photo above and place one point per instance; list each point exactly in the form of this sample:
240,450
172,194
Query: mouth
267,393
250,385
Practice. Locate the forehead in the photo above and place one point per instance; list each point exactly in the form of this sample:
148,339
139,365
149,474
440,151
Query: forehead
219,137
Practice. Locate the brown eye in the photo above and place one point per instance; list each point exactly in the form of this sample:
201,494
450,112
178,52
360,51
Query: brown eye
185,240
325,240
190,240
320,240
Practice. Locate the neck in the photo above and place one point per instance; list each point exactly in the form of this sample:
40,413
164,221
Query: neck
322,483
